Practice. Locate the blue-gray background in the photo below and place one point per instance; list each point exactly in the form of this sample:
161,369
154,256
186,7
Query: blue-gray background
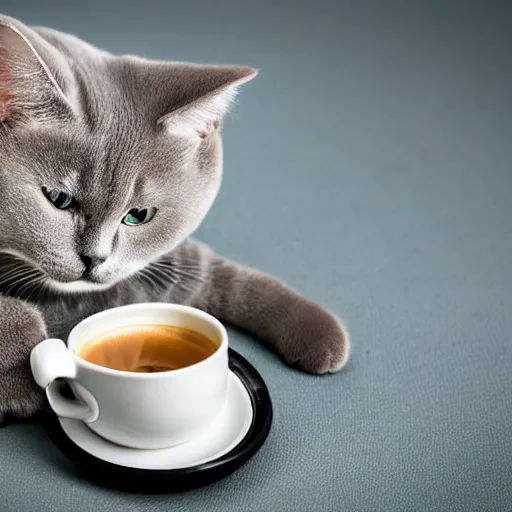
370,166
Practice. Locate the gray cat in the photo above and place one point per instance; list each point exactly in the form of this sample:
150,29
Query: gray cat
107,166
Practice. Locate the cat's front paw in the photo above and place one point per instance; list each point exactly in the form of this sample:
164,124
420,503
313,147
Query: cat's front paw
21,328
314,340
20,396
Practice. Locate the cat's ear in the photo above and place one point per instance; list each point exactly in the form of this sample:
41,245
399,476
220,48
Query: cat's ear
201,96
36,83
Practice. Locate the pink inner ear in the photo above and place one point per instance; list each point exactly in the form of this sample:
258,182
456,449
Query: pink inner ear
5,93
211,127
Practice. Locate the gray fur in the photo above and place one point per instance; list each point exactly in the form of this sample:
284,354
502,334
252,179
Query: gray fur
121,132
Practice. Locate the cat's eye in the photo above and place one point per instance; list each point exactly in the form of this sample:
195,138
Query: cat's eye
61,199
137,216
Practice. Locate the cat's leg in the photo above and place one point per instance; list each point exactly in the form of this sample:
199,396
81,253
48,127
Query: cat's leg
303,333
21,328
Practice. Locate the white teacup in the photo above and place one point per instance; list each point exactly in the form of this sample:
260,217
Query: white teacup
139,410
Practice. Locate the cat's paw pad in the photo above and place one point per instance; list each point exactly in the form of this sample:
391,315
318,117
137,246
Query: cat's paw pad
316,342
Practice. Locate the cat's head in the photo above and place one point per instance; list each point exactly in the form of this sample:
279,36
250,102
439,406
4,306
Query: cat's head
106,163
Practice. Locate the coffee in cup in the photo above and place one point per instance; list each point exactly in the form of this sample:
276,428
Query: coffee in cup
144,375
148,348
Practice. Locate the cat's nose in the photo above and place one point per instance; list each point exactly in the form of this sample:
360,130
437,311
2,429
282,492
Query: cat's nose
91,262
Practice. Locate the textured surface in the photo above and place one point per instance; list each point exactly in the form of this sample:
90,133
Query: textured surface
375,150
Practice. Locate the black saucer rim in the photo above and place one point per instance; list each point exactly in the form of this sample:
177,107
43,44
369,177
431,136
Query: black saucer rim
138,480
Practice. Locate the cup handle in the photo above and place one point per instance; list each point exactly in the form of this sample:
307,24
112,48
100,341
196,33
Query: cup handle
50,360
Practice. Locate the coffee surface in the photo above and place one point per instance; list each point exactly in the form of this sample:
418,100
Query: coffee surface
148,348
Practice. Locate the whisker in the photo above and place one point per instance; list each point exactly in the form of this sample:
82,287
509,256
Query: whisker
144,279
18,282
184,273
41,287
196,262
14,274
186,288
176,264
166,273
28,283
149,277
164,281
186,270
135,279
33,287
18,277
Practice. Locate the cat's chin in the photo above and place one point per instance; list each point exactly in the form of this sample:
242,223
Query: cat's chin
79,286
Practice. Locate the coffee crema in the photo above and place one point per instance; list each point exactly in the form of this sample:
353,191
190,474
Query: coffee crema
148,348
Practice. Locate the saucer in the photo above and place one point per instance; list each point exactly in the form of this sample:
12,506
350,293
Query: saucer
232,439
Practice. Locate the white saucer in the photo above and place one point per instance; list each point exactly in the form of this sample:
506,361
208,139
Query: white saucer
234,437
226,432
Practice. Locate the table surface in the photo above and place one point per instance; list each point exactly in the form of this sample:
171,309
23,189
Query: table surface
370,167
